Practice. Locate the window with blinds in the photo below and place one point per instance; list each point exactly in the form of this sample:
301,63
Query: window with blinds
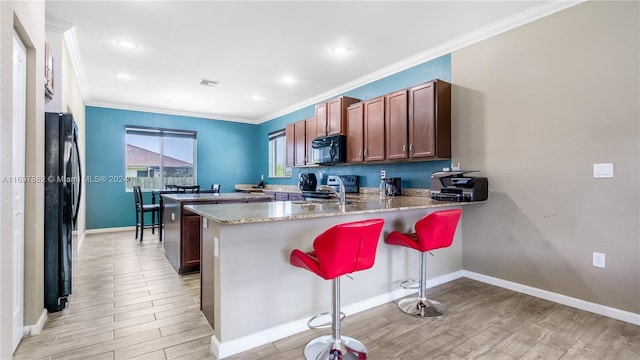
277,154
157,157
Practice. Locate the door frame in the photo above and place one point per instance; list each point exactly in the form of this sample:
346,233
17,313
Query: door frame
18,166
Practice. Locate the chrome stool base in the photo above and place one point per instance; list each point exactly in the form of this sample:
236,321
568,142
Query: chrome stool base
325,348
423,308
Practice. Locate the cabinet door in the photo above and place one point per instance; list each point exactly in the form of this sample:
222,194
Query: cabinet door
374,129
422,118
190,243
311,134
355,133
321,120
290,144
335,116
396,125
295,197
300,156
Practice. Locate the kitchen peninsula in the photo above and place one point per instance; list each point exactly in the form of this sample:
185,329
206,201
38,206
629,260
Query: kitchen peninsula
182,227
251,295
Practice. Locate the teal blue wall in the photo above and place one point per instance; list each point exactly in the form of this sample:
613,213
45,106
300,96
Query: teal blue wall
230,153
414,175
225,155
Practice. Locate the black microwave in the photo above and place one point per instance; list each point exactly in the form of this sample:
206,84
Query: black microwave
329,150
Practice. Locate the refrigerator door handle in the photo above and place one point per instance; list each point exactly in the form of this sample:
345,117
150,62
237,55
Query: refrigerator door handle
77,201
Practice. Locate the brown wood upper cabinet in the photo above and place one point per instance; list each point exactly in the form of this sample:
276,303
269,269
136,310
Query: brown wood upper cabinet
396,127
310,135
331,116
355,133
365,131
290,144
298,143
374,129
418,122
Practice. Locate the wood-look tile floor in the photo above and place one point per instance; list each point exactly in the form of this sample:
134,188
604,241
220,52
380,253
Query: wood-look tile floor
128,303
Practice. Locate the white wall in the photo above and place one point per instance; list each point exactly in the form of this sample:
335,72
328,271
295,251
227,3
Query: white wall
27,19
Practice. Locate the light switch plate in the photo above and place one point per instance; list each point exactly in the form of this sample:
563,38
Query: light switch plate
604,170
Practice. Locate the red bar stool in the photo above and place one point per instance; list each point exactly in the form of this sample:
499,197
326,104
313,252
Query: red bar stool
434,231
340,250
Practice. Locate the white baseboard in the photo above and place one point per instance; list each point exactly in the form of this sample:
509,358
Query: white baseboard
110,230
37,327
228,348
603,310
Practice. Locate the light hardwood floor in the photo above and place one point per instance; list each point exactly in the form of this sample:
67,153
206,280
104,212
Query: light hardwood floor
128,303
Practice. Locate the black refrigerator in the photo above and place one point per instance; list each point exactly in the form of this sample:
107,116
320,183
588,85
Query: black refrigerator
62,191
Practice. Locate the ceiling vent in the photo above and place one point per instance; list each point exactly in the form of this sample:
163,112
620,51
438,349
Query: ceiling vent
211,83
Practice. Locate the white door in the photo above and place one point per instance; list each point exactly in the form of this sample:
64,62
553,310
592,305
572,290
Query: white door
18,173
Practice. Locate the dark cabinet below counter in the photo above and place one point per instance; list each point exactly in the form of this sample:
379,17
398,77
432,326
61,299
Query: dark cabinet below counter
182,227
284,196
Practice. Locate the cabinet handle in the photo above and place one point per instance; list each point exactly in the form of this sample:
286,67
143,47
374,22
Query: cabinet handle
359,153
410,147
404,147
365,152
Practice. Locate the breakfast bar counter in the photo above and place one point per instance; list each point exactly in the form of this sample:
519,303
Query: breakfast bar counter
182,227
251,295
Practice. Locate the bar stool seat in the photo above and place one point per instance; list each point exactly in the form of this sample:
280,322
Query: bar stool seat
433,231
342,249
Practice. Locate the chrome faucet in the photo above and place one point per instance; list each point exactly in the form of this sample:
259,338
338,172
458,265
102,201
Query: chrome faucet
341,194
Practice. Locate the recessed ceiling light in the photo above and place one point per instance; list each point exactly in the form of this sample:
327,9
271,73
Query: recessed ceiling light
122,76
257,97
126,44
211,83
340,50
289,80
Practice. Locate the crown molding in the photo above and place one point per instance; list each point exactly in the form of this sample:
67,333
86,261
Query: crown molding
71,43
499,27
56,25
129,107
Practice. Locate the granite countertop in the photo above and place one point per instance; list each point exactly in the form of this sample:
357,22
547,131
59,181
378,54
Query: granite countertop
289,210
215,196
267,188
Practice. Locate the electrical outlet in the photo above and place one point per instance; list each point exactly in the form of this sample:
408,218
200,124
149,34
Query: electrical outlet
383,174
598,260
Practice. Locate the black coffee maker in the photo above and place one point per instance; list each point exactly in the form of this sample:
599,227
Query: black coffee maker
392,186
307,182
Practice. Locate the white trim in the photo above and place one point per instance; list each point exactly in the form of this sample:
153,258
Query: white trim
56,25
131,107
603,310
70,39
37,327
228,348
109,230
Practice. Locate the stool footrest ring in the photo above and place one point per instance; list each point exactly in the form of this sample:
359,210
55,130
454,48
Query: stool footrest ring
410,284
324,325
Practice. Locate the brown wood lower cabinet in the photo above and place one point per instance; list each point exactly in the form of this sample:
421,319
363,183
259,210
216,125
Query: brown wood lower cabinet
284,196
182,227
190,249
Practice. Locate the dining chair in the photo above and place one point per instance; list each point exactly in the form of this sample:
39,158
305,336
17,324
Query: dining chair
142,209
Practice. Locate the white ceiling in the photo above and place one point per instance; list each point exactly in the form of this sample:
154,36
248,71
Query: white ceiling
248,46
